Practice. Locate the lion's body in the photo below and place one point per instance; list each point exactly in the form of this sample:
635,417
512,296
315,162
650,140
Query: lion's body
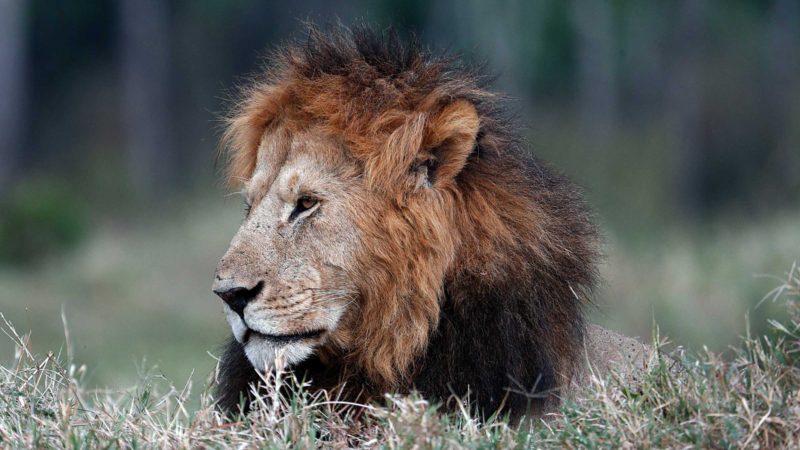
462,263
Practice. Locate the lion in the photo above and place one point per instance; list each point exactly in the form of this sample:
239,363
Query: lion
399,236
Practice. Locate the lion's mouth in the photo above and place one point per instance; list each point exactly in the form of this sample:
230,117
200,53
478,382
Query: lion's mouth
282,339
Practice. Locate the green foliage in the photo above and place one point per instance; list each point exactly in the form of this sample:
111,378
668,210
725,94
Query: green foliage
39,220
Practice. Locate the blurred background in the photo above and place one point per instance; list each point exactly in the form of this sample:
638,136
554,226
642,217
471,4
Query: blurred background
681,120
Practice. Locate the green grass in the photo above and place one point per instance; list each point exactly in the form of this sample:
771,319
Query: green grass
749,400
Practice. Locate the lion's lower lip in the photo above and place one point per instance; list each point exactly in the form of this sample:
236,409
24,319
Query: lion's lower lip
283,338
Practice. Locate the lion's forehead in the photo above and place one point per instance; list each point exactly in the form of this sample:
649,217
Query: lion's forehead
287,160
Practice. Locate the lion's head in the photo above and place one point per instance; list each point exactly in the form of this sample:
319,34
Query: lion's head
394,229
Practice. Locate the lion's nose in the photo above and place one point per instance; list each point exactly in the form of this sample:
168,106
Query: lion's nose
237,297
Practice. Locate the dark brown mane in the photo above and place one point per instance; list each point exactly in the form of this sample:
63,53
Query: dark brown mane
488,270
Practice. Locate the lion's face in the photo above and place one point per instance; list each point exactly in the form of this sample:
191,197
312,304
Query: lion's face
287,277
398,231
354,219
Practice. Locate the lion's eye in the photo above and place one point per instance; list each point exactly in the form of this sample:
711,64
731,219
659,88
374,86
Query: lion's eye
306,202
303,204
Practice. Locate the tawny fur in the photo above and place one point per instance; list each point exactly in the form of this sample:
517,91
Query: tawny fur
463,230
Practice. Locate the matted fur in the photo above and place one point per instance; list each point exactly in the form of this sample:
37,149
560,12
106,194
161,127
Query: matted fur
476,259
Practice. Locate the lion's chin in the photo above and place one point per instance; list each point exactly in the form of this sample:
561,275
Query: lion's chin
265,355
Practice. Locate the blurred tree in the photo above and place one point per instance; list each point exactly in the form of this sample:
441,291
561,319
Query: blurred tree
145,43
506,39
404,14
684,106
556,61
782,48
645,61
713,85
13,101
597,87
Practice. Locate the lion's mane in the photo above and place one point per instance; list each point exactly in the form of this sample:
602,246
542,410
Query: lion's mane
476,290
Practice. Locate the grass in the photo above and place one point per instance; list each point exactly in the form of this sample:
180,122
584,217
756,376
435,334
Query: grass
750,399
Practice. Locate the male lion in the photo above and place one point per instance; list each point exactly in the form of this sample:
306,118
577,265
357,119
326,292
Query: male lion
399,237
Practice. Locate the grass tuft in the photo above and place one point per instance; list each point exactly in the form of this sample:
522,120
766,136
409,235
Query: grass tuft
749,398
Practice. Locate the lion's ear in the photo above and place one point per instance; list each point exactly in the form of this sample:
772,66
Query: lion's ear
448,142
